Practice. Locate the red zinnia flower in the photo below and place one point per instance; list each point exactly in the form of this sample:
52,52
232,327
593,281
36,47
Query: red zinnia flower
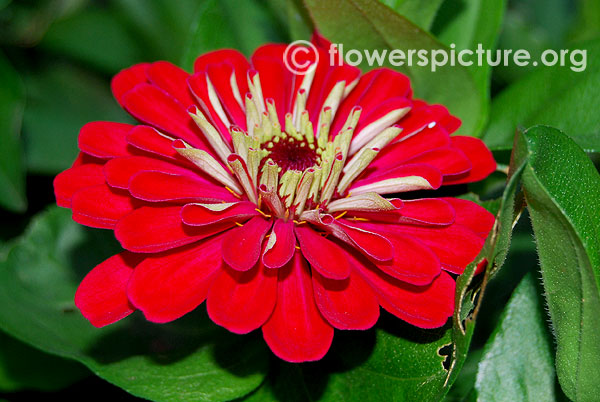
260,191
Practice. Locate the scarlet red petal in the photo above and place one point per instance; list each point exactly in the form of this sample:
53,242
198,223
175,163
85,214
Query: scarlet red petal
481,158
172,80
423,306
104,139
284,247
456,246
148,139
155,107
119,171
413,262
410,147
168,285
155,229
242,301
229,57
473,216
127,79
74,179
346,304
102,294
450,161
370,243
323,255
242,245
100,206
427,211
296,331
431,174
201,215
158,186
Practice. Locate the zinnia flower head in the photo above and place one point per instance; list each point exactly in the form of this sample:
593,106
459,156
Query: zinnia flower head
262,192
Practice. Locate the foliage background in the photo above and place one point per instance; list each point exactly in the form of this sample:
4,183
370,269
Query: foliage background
56,61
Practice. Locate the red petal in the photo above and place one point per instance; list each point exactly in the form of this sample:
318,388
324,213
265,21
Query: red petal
148,139
230,57
427,211
456,246
370,243
410,147
158,186
428,172
296,332
153,106
449,161
100,206
323,255
347,304
242,245
102,295
413,262
119,171
242,301
166,286
172,80
423,306
200,215
285,245
481,158
127,79
74,179
155,229
473,216
104,139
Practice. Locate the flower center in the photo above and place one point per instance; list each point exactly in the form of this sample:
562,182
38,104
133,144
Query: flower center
291,154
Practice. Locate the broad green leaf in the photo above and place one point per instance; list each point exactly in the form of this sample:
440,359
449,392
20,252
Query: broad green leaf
467,25
161,27
421,12
60,100
495,250
588,16
23,367
394,361
294,16
370,25
114,48
562,189
520,342
12,175
219,26
556,96
189,359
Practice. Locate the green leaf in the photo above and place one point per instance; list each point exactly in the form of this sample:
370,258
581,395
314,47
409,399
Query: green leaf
370,25
395,360
23,367
556,96
12,175
467,25
51,127
586,26
562,189
294,16
189,359
421,12
161,27
470,289
114,48
521,341
219,27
